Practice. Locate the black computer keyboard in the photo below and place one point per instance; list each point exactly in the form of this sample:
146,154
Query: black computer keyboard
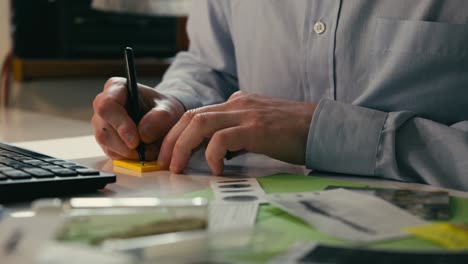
28,174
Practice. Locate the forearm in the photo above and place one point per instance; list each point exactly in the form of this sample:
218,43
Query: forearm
196,84
206,73
397,145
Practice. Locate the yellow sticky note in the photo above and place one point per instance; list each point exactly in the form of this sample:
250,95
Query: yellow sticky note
137,166
451,236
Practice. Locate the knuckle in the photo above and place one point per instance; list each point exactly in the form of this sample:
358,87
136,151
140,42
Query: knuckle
97,100
102,105
199,120
113,81
189,115
237,95
243,101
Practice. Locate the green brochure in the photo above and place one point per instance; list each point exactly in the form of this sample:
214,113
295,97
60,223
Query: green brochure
296,230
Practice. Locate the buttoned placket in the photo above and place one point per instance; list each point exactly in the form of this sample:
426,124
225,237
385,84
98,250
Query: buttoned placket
319,47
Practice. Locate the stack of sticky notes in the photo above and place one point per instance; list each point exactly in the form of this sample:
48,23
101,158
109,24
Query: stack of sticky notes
137,165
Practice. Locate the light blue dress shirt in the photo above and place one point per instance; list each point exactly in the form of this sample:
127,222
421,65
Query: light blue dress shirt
391,77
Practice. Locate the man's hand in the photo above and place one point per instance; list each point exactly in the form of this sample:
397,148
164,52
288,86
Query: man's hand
116,132
253,123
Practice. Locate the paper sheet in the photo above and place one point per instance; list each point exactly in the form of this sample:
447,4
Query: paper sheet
238,190
21,239
31,240
225,216
65,148
56,253
434,205
348,215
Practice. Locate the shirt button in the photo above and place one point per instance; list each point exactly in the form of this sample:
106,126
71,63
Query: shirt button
319,27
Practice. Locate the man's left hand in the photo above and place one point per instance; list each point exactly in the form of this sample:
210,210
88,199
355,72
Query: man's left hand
246,122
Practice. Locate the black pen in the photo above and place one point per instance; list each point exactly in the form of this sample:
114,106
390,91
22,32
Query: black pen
133,100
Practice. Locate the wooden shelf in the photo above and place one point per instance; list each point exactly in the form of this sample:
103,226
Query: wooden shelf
26,69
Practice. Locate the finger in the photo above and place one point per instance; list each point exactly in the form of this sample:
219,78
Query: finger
171,138
112,155
116,88
107,137
151,151
201,127
110,109
155,124
229,139
239,94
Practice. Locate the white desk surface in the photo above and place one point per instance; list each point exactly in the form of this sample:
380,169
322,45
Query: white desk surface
72,140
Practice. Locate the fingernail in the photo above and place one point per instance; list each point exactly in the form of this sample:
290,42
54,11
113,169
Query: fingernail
129,138
173,169
161,163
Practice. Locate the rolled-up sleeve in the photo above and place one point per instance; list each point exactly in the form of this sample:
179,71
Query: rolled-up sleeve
206,73
351,139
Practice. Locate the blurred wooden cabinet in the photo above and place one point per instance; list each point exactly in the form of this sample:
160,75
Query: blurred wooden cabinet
62,38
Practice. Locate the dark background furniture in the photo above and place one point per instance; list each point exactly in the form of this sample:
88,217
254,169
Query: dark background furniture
67,38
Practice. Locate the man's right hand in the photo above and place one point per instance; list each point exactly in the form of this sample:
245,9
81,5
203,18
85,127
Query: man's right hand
116,132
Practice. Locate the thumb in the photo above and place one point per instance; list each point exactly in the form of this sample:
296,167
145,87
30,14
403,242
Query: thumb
155,124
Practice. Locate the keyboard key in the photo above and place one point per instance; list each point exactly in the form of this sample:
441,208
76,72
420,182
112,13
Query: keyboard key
39,173
31,160
61,162
64,172
19,165
36,162
51,167
75,167
17,174
3,177
4,168
5,160
52,160
20,158
42,164
87,172
67,164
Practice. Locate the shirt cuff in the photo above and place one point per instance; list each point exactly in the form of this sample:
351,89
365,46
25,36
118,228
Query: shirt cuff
181,91
344,138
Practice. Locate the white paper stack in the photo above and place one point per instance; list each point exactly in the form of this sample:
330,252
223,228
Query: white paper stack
348,215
